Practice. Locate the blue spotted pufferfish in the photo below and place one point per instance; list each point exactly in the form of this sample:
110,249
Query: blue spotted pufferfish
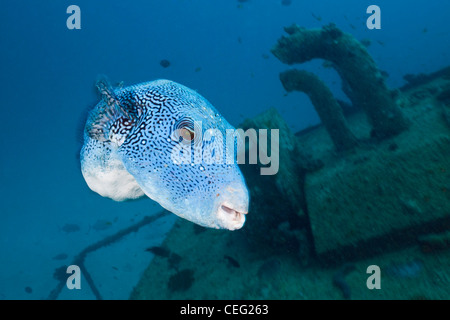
128,139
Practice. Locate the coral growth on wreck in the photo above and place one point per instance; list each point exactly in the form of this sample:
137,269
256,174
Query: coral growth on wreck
327,107
363,81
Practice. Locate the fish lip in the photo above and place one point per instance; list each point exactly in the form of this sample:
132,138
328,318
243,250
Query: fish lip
231,205
229,209
229,217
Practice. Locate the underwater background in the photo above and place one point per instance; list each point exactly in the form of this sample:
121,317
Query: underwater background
220,48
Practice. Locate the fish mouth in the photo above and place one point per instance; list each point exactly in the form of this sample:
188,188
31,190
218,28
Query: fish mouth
231,217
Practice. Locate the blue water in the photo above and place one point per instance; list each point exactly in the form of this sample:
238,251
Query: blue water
47,83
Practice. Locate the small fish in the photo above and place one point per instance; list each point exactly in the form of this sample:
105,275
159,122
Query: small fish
70,227
159,251
385,74
60,256
286,2
198,69
233,262
164,63
366,42
318,18
100,225
265,56
60,273
28,290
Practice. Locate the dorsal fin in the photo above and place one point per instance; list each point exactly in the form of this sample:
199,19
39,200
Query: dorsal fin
109,96
108,114
106,90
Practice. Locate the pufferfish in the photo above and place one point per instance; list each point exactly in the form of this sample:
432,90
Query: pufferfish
129,141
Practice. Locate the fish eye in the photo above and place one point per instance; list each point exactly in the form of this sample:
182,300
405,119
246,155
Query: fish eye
184,130
187,134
